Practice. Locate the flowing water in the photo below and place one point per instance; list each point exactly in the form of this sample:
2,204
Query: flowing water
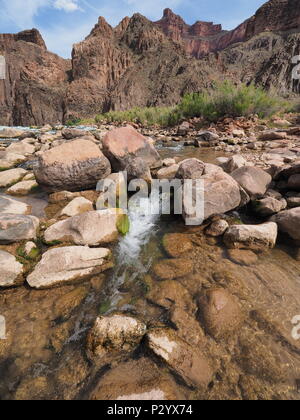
44,356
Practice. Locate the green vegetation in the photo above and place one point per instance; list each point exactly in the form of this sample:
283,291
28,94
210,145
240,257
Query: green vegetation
123,224
224,100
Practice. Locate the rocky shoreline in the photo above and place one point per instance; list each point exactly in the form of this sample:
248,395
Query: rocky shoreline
195,307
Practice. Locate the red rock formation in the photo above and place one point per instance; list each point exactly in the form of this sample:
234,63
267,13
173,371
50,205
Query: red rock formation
33,91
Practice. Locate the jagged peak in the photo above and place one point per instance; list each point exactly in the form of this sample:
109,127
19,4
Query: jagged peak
102,28
31,35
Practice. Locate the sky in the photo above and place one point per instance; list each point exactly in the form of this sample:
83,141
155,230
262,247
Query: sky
65,22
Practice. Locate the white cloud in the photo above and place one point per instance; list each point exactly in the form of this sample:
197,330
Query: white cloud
66,5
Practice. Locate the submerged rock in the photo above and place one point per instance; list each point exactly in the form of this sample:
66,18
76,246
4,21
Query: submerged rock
220,312
14,228
172,269
146,381
73,166
255,237
11,270
243,257
114,336
67,265
177,244
90,228
188,362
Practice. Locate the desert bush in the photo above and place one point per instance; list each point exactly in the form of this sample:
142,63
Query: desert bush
223,100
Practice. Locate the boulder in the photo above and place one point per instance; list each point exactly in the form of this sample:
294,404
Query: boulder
137,168
67,265
11,270
221,194
91,228
124,144
233,163
169,162
12,176
168,172
272,135
190,363
190,169
77,206
253,180
255,237
72,133
208,136
220,312
113,337
269,206
294,182
15,228
21,148
289,222
8,205
10,133
73,166
217,228
22,188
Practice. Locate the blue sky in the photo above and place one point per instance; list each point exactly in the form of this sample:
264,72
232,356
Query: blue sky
64,22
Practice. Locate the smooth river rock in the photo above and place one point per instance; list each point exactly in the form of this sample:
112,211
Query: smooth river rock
14,228
255,237
90,228
67,265
289,222
8,205
11,270
253,180
12,176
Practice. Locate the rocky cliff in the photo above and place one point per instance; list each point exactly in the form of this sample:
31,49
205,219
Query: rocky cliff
34,89
144,63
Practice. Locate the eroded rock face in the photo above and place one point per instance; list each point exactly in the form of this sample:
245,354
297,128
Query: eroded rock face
221,312
14,228
114,336
11,270
188,362
73,166
255,237
67,265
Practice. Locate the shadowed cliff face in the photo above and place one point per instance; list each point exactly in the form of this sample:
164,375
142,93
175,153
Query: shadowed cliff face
33,91
144,63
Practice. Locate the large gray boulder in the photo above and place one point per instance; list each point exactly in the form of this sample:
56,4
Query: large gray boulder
15,228
68,265
253,180
73,166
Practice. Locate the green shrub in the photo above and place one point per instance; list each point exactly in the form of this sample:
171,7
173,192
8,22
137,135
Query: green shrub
223,100
228,100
